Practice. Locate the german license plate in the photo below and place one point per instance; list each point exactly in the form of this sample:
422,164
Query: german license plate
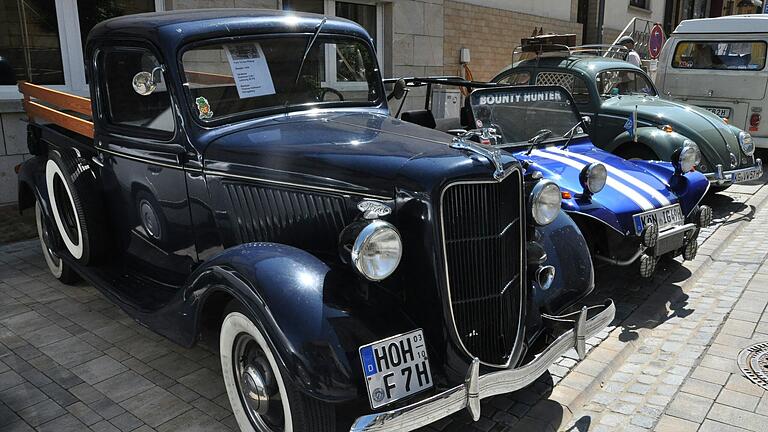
747,175
719,111
663,218
395,367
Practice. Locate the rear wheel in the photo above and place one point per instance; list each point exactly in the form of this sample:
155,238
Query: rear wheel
59,269
261,399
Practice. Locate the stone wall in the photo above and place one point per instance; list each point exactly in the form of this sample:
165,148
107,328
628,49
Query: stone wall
491,35
13,148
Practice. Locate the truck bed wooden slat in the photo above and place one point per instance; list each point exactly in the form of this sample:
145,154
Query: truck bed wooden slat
54,97
75,124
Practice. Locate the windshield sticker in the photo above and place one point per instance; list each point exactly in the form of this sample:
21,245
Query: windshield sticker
250,70
521,97
204,110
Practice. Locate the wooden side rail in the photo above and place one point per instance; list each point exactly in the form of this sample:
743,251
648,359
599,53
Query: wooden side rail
60,100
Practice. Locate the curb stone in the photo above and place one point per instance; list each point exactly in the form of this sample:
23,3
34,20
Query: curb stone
573,391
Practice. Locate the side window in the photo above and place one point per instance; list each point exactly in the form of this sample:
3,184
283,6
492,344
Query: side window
516,78
126,107
574,84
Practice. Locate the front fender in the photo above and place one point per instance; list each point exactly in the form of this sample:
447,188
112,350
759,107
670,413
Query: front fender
293,296
663,144
32,188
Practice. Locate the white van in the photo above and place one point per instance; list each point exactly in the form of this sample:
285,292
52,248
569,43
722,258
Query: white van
719,64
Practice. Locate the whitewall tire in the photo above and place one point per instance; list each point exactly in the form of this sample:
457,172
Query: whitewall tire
58,268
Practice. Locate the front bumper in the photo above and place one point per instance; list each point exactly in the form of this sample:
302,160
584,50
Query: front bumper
723,178
478,387
675,238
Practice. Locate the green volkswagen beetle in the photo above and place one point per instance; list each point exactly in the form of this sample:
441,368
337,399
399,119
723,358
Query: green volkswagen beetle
630,119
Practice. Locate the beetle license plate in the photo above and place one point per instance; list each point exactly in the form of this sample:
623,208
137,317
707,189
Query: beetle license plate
663,218
395,367
719,111
746,175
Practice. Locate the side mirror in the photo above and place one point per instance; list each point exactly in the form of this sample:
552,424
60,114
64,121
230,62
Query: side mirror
398,91
144,82
586,121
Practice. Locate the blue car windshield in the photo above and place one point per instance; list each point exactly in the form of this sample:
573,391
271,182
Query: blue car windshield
248,77
520,113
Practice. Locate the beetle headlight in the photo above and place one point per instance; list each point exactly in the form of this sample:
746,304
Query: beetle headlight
377,250
593,177
688,157
745,141
545,202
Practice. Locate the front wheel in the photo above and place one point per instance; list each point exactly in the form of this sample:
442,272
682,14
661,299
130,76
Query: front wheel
261,399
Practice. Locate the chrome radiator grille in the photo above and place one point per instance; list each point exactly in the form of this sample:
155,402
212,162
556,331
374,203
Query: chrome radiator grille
482,226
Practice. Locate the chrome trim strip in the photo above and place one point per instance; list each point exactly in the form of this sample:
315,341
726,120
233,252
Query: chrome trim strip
477,387
521,276
296,185
139,159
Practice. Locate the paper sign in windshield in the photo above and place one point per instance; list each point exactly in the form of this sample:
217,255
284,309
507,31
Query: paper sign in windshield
250,70
518,97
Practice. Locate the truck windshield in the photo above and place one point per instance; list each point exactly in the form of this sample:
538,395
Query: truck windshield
244,77
622,82
521,113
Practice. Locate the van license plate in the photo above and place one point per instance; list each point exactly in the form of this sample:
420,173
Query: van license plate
662,218
720,112
748,175
395,367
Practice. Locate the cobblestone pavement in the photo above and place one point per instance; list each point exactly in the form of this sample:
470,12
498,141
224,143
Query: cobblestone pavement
71,361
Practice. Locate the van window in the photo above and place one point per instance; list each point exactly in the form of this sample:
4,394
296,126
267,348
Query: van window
733,55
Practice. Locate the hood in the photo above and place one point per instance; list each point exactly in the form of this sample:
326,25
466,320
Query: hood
630,187
712,135
357,152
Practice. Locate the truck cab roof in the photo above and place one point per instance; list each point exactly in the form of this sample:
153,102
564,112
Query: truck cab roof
176,28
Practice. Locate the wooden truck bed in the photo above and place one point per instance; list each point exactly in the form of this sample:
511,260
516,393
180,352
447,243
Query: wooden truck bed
51,105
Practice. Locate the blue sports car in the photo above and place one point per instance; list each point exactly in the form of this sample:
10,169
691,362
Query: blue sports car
632,212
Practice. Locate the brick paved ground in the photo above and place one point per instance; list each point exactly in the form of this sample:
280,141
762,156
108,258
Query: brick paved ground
70,360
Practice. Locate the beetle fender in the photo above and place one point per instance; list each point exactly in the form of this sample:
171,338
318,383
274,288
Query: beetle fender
660,142
285,289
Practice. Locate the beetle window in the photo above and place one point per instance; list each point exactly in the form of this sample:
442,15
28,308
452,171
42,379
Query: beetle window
622,82
516,78
267,74
733,55
574,84
125,107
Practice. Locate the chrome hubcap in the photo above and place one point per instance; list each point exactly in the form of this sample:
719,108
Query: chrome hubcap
257,385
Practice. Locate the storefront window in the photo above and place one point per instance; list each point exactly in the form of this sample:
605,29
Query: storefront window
92,12
29,43
363,14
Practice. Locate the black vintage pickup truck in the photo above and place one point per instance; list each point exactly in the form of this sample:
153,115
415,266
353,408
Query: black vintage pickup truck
236,180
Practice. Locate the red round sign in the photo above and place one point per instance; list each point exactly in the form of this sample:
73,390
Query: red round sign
656,41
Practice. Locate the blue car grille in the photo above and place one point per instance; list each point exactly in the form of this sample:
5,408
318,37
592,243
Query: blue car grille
305,220
483,229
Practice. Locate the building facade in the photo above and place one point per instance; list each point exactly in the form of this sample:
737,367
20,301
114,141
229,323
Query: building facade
42,40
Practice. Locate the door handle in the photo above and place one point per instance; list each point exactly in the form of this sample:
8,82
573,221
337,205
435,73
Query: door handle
98,160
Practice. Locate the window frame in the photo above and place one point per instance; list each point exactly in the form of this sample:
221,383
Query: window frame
636,71
102,99
710,41
329,10
72,56
646,4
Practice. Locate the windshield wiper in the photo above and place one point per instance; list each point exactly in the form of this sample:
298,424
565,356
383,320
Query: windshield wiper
306,51
538,139
571,132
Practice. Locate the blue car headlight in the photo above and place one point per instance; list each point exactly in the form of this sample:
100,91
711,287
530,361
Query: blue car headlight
593,177
746,143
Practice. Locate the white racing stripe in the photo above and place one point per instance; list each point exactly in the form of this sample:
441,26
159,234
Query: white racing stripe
610,182
634,181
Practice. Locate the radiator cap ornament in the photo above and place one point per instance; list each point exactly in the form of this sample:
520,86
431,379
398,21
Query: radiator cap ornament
373,209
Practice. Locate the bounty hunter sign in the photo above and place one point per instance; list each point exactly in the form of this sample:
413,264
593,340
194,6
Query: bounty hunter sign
519,113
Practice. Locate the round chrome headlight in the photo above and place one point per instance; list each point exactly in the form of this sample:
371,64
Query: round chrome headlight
593,177
545,202
745,141
377,250
690,156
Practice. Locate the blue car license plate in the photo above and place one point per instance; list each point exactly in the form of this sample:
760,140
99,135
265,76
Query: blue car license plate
663,218
395,367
